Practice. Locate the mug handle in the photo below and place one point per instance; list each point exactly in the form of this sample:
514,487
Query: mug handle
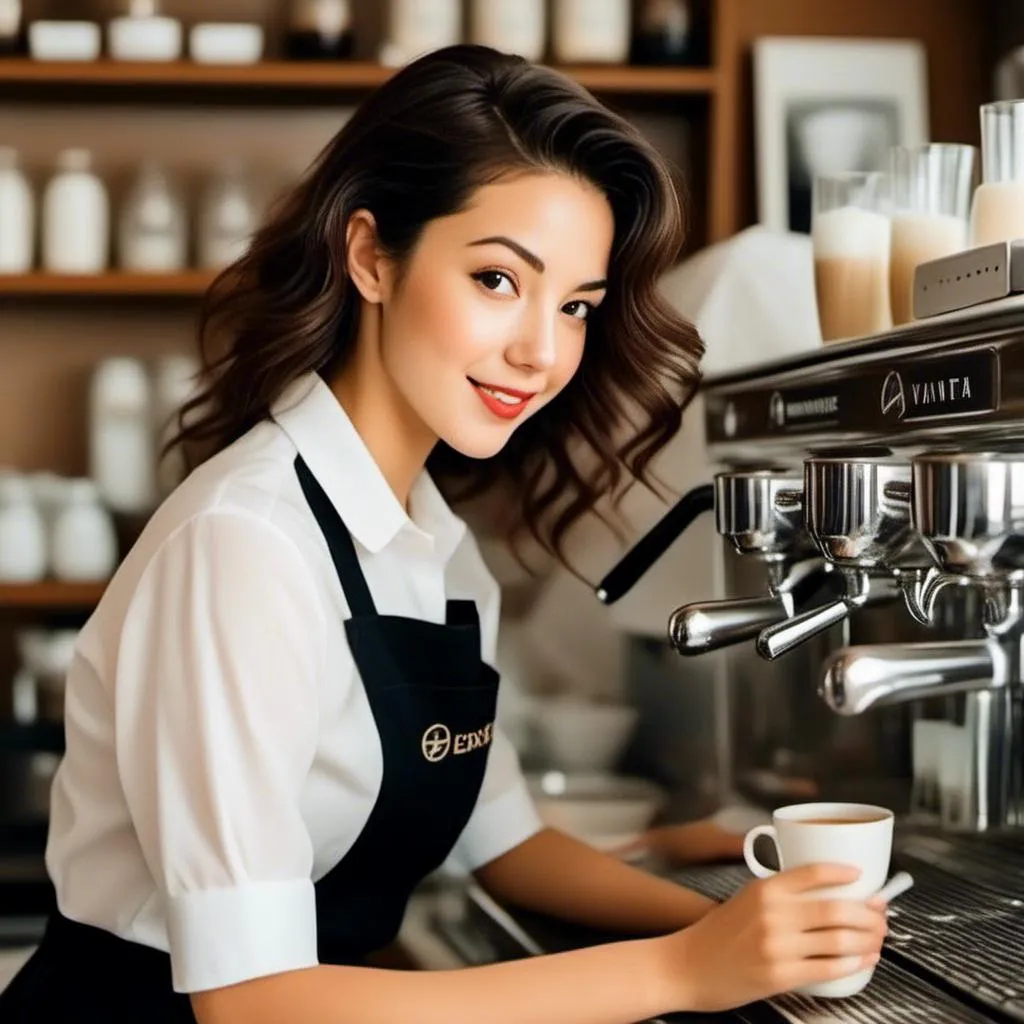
756,867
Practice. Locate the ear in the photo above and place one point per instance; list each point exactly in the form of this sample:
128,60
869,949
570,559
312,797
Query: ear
364,261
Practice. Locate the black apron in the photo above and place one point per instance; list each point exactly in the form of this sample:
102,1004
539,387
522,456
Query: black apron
433,701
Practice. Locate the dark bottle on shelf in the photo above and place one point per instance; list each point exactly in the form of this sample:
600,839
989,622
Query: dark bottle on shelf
12,35
662,35
319,30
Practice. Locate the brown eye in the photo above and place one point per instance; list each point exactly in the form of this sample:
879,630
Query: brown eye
578,309
496,281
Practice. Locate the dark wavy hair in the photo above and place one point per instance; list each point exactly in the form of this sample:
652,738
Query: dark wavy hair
415,150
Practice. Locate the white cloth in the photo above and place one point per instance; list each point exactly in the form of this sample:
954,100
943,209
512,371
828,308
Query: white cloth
221,752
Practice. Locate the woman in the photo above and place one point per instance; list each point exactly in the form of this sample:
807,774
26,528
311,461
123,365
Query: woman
280,717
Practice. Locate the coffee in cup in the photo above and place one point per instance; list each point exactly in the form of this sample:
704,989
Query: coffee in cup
859,835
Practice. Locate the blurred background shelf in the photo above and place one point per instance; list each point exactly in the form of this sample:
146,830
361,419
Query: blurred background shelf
110,285
277,79
50,595
114,284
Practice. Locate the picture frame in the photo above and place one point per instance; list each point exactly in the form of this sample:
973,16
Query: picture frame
830,105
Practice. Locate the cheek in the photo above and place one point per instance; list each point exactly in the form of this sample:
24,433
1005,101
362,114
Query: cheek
439,321
570,356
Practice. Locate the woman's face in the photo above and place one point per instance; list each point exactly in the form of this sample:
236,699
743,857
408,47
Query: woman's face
489,319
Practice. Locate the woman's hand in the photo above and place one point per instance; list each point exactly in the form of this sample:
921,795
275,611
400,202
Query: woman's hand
772,937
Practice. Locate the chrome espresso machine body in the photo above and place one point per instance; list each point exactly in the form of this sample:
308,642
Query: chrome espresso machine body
866,645
894,469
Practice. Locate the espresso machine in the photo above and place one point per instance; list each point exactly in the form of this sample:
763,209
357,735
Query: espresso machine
870,501
864,645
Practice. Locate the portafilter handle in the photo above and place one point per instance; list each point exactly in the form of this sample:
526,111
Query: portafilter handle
710,625
775,641
861,589
624,576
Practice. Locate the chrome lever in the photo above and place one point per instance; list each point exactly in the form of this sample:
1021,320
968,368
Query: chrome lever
710,625
862,589
856,678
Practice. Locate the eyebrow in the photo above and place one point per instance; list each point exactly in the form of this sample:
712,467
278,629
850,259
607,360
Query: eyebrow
533,260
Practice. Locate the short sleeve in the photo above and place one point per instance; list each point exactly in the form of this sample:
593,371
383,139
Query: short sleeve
216,725
504,815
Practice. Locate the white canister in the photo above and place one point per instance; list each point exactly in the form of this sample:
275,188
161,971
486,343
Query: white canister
418,26
121,449
228,216
22,533
84,546
142,34
175,381
76,217
591,31
153,226
17,216
512,26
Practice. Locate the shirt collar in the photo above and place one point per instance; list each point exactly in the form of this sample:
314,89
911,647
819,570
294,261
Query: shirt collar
313,418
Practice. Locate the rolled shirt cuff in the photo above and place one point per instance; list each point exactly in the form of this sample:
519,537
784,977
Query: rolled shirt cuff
225,936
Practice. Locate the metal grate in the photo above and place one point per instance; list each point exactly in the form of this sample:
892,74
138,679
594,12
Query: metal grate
893,995
952,931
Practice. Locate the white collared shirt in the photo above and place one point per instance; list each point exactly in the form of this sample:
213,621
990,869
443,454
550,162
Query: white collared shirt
221,752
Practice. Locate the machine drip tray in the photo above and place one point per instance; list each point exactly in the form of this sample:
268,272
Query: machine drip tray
961,929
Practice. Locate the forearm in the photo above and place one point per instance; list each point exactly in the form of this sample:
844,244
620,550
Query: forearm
612,984
554,874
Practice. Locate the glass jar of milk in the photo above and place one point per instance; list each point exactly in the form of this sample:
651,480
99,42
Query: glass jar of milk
997,214
931,206
850,237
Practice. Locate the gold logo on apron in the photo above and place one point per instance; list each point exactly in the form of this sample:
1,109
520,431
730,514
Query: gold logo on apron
438,741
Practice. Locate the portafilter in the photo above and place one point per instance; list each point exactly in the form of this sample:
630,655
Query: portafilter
857,513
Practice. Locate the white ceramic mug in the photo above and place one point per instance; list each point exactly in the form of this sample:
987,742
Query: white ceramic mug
818,834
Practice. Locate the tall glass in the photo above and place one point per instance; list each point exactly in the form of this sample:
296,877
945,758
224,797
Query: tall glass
932,188
998,210
850,234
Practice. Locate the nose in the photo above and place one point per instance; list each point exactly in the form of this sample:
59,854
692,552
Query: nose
536,347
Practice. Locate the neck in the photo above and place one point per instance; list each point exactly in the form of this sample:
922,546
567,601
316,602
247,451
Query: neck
395,436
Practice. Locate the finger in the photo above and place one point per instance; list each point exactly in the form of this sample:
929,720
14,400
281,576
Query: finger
815,876
835,942
813,914
808,972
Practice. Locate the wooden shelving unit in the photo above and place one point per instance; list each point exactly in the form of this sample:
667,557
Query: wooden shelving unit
184,78
50,595
112,285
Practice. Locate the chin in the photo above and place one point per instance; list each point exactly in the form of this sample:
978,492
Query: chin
477,444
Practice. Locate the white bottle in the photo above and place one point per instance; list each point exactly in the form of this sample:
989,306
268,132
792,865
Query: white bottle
418,26
17,216
153,226
76,217
174,383
22,533
591,31
121,449
512,26
84,543
228,216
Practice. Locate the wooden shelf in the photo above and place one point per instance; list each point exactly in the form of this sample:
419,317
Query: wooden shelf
51,595
282,77
115,284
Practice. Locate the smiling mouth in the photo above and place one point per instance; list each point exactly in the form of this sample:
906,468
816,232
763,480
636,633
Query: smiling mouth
504,402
